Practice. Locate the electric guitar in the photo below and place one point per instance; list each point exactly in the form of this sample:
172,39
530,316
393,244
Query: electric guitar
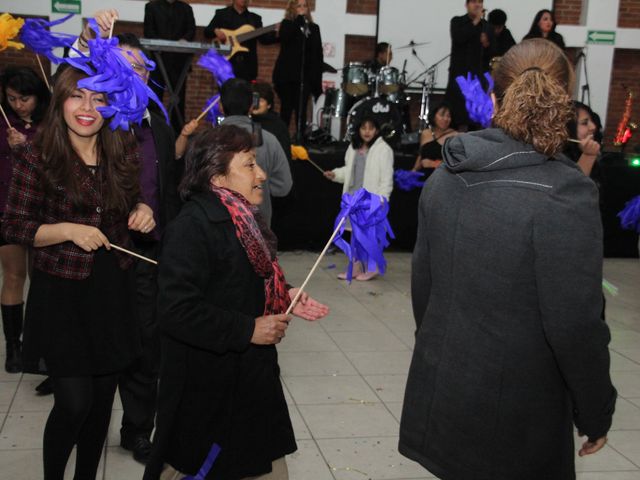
242,34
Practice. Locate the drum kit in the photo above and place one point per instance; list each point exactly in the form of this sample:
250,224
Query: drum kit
365,92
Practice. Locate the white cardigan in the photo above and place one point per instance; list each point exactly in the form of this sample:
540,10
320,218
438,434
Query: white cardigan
378,171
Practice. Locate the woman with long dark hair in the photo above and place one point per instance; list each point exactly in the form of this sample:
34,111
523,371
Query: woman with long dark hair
511,350
544,26
432,139
25,98
74,190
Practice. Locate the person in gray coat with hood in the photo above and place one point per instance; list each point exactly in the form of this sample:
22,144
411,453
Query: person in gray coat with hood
510,350
236,97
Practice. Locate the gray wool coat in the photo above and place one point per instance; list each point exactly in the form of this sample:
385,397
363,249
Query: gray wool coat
510,350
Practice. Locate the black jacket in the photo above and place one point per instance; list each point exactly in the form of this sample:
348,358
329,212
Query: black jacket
510,349
169,169
215,386
289,62
245,64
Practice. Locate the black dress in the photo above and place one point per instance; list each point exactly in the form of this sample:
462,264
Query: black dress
81,327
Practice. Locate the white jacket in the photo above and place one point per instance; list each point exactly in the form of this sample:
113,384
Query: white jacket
378,171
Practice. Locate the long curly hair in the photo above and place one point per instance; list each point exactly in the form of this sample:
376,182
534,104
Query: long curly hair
119,167
532,85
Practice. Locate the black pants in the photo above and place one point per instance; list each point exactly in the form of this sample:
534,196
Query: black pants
80,416
289,94
138,384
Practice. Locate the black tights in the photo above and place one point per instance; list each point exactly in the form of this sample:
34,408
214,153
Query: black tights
80,416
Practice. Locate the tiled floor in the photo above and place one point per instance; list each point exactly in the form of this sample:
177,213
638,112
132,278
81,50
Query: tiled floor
344,378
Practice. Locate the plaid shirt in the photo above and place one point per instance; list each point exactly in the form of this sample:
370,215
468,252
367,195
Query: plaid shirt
29,207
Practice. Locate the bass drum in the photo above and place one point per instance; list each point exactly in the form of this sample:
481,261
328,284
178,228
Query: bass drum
386,113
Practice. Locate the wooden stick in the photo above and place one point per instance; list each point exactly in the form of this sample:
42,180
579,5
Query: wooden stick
574,140
315,165
313,269
206,110
388,53
45,77
124,250
113,23
5,116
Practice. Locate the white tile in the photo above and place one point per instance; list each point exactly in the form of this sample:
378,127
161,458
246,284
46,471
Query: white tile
307,463
368,342
627,415
121,465
353,459
7,393
306,338
605,460
381,363
294,364
318,390
395,408
23,430
625,360
609,476
390,388
627,443
345,421
27,465
627,383
300,429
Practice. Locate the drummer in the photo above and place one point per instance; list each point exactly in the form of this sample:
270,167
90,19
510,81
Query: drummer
383,57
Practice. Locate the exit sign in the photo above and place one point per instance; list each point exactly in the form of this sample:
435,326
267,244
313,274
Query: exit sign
66,6
602,37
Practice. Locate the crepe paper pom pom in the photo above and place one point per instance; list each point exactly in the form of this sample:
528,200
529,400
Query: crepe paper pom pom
407,180
477,101
37,36
9,29
630,215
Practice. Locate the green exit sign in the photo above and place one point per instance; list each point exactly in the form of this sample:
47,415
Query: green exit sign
602,37
66,6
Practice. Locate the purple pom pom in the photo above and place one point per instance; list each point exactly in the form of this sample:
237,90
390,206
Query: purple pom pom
407,180
630,215
35,34
370,228
110,72
219,66
477,100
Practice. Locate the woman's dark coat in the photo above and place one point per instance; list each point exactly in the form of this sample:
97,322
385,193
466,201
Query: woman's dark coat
215,386
287,68
510,351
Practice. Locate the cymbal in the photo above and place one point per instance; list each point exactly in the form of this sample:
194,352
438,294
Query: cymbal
412,44
326,68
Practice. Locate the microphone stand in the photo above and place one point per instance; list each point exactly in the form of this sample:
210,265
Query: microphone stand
305,32
585,90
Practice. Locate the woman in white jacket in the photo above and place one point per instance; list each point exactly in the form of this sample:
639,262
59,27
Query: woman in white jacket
369,165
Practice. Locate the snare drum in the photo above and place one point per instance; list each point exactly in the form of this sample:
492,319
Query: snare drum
336,103
388,80
355,78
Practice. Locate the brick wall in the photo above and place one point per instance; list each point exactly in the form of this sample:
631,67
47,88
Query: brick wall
626,64
359,48
366,7
629,15
567,12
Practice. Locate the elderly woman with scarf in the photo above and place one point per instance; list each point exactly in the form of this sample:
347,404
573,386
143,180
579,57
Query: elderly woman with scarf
221,304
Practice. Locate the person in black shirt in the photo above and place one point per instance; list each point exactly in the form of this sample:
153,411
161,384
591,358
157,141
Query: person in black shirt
297,29
544,26
384,55
502,38
270,119
170,20
470,36
245,64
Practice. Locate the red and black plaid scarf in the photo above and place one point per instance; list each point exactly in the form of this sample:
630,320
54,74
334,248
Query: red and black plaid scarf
260,243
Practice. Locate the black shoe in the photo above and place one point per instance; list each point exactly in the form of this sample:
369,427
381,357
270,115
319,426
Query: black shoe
140,446
45,387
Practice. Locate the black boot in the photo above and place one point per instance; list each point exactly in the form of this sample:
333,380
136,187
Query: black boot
12,326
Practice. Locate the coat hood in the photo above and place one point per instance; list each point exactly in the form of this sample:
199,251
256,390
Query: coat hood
488,150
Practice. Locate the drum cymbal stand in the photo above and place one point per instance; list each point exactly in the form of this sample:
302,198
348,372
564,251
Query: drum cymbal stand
428,85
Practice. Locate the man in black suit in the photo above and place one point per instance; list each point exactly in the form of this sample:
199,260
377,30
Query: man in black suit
245,64
158,185
170,20
470,39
